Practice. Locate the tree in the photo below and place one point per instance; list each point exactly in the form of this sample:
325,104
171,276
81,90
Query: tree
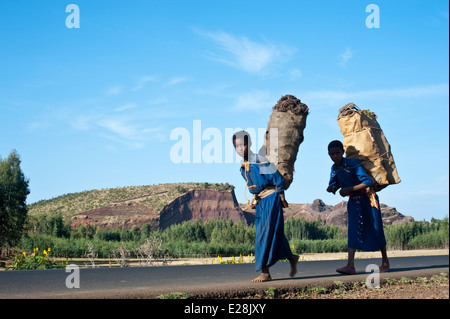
13,194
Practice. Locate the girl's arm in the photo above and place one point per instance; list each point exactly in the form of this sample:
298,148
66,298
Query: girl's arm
283,200
347,190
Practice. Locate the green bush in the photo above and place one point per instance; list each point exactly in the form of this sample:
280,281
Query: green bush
34,261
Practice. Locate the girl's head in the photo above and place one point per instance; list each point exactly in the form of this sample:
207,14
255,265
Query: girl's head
336,151
242,143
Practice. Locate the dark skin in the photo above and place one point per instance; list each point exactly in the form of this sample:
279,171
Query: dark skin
243,151
337,154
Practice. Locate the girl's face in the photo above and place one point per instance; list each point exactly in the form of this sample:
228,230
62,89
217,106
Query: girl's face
336,154
241,147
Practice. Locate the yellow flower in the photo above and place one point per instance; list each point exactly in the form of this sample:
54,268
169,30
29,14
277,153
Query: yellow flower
220,258
48,249
45,253
24,254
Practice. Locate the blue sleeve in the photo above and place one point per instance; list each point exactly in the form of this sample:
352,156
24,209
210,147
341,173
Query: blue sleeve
277,180
362,175
333,179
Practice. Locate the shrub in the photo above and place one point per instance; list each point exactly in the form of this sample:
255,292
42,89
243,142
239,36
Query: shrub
35,261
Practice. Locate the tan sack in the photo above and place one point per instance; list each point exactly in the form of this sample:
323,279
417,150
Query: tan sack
289,119
364,139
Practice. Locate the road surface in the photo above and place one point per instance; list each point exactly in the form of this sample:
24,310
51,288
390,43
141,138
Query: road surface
211,281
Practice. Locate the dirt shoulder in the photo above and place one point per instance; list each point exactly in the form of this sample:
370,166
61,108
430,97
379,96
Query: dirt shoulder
432,287
414,287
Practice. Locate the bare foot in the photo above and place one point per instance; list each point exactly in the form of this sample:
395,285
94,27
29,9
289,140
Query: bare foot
263,277
293,261
385,267
347,270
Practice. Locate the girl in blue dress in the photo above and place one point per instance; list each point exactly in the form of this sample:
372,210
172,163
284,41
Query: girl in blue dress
267,186
365,226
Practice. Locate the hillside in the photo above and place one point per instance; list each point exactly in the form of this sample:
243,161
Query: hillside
155,197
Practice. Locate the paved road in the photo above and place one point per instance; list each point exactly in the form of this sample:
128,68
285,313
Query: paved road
149,282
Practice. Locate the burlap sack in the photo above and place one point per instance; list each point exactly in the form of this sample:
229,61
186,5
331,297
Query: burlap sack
364,139
289,119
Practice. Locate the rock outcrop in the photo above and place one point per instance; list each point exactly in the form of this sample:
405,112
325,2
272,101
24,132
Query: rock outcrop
202,204
118,215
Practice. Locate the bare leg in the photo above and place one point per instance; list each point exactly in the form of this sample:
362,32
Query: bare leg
293,260
351,257
265,276
385,263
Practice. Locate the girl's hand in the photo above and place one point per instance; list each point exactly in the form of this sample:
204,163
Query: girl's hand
331,189
283,200
345,191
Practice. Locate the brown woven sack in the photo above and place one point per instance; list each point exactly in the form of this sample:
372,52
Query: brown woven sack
364,139
289,119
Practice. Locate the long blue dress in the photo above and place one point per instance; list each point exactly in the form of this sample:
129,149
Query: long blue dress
271,244
365,226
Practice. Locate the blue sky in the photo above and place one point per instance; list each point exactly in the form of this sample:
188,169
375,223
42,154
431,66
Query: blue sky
94,107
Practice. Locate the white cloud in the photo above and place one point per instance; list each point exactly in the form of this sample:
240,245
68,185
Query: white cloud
129,131
142,81
345,57
125,107
295,74
243,53
119,127
254,100
335,97
178,79
114,90
82,123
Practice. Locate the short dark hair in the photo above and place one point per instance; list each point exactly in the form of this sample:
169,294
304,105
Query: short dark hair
242,135
334,144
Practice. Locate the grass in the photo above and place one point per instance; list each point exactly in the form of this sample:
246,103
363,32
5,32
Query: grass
174,295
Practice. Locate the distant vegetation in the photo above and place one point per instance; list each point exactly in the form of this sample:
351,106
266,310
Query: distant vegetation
218,237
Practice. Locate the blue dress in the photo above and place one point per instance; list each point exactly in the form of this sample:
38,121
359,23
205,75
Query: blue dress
365,226
271,244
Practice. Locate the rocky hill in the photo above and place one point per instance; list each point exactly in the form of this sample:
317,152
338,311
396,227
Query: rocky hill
163,205
336,215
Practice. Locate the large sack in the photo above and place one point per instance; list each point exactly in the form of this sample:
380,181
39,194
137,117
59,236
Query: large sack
289,119
364,139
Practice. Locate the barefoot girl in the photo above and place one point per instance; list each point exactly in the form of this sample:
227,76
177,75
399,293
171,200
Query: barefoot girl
267,185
